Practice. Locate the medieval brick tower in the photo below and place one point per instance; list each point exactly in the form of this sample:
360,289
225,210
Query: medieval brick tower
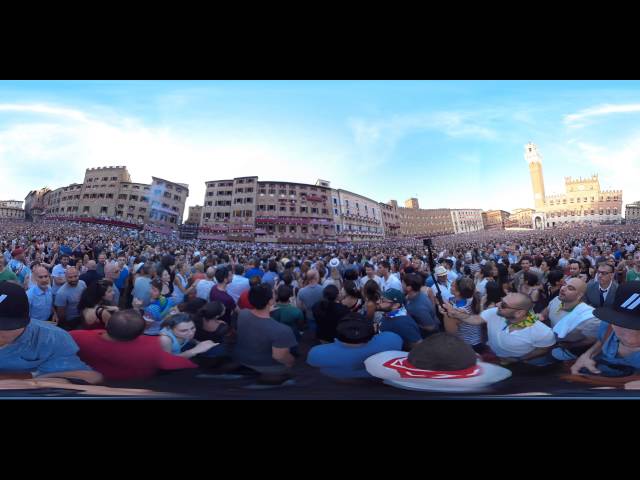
533,157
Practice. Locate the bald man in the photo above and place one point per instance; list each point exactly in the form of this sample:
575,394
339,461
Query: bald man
572,320
40,296
309,295
515,335
67,299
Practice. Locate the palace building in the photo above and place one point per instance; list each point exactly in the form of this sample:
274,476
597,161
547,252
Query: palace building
583,201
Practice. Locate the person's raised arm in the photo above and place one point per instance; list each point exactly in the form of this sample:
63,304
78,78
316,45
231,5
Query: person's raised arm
460,314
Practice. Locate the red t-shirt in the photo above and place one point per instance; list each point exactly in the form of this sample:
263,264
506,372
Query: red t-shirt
138,359
243,301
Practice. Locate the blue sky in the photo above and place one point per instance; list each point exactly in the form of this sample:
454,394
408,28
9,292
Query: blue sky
450,143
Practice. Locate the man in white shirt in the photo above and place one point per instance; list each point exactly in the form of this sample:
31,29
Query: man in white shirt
238,284
388,280
370,275
204,286
443,283
572,320
447,263
511,336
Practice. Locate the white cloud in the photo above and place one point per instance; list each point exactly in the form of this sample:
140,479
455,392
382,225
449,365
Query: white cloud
576,120
389,131
618,168
56,147
44,109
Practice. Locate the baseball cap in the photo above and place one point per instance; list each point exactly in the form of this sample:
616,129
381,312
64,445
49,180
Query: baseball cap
394,295
14,306
355,331
625,311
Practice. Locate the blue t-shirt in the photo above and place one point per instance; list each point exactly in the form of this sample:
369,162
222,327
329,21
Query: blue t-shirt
610,349
124,273
422,311
20,269
42,348
40,303
338,360
253,272
403,325
270,278
142,290
69,298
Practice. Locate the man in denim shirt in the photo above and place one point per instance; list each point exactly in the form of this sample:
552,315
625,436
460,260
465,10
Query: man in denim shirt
32,346
40,296
618,346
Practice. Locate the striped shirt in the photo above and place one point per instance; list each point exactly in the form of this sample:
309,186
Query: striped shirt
470,334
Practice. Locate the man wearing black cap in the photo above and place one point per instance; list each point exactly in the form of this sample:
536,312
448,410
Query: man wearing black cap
35,347
356,341
618,345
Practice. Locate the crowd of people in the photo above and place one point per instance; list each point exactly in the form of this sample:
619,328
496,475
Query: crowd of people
92,303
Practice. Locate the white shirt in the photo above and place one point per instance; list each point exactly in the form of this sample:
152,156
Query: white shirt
391,282
238,285
445,290
481,287
375,278
516,343
203,288
452,276
604,292
588,328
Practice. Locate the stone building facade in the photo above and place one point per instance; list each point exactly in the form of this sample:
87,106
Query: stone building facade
245,209
11,209
583,200
108,192
390,219
423,222
467,220
359,219
632,212
495,219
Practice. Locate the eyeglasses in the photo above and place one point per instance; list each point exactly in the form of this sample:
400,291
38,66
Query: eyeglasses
604,273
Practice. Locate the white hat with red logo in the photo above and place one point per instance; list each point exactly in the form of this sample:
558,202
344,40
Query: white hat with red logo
440,363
